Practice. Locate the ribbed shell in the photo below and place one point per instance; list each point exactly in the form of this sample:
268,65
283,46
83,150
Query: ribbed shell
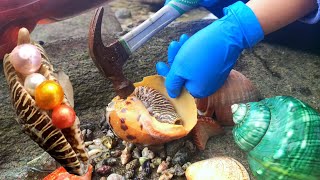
282,137
63,145
217,168
236,89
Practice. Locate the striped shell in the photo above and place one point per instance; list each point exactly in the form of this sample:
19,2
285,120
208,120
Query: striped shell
217,168
66,145
282,138
149,116
236,89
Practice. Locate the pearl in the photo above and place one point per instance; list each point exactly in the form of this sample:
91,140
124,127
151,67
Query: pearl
49,94
63,116
32,81
26,59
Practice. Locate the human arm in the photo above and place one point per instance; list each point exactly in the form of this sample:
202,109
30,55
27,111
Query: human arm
275,14
202,63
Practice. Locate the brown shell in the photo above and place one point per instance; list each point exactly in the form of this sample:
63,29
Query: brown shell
66,145
217,168
236,89
205,128
131,121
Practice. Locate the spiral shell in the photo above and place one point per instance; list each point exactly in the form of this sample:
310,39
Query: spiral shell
236,89
282,137
149,116
66,145
217,168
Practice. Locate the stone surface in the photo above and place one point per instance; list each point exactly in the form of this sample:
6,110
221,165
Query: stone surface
274,69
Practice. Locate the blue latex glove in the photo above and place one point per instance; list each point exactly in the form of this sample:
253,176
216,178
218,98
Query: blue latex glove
215,6
203,62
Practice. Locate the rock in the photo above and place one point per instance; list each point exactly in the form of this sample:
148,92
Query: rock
104,170
123,13
110,161
181,157
114,176
43,163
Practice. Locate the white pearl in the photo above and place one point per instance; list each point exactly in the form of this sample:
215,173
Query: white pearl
32,81
26,59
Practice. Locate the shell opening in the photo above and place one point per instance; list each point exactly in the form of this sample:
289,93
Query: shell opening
157,105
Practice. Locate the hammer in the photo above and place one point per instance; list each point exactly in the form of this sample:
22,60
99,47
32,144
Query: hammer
111,58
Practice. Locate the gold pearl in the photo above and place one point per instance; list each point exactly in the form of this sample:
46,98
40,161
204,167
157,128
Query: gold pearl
48,95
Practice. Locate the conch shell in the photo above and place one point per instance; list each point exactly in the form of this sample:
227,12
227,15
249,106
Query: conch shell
282,138
236,89
217,168
66,145
149,116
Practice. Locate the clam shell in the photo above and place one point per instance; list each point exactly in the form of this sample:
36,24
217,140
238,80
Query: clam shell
217,168
236,89
131,121
66,145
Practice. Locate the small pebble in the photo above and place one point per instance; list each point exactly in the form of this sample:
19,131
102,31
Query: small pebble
163,166
142,160
110,161
181,157
114,176
104,170
146,167
132,164
136,153
186,165
129,174
116,153
166,176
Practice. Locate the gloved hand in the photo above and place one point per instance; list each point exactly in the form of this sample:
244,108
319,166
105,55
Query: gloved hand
215,6
203,62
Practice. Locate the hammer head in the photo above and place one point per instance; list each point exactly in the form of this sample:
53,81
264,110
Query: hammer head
109,59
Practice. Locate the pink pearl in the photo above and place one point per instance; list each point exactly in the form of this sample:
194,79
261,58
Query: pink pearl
26,59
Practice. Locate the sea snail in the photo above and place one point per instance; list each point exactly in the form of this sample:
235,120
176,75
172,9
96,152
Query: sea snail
149,116
65,145
282,138
236,89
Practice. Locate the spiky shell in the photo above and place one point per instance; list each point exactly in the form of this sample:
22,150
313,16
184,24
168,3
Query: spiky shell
217,168
66,145
282,138
236,89
131,121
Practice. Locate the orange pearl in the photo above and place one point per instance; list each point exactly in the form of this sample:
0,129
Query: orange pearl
63,116
48,95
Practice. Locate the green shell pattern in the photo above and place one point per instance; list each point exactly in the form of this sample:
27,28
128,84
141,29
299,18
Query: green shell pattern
282,138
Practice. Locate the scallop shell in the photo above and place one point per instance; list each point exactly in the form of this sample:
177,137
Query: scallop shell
236,89
217,168
132,122
282,138
66,145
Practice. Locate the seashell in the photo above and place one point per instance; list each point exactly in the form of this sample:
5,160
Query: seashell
65,145
281,135
125,156
217,168
163,166
236,89
166,176
155,118
205,128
